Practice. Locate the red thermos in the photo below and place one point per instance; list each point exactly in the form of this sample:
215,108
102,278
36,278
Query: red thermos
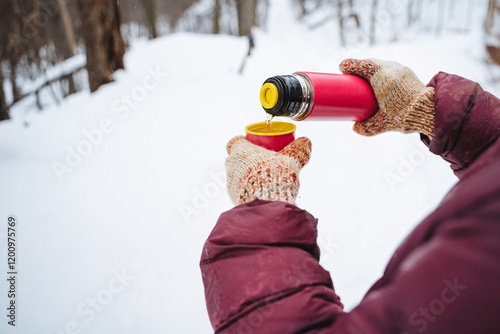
318,96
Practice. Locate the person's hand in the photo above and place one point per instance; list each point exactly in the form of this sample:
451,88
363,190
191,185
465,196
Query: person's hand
254,172
405,104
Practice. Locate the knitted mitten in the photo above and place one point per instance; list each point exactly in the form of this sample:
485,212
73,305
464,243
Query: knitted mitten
405,104
255,172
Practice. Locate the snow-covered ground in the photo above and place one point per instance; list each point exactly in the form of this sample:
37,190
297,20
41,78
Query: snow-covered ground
115,192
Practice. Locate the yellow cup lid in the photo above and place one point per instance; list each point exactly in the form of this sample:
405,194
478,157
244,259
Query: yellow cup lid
269,95
273,129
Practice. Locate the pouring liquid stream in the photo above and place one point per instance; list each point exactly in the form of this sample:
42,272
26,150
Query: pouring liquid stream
269,119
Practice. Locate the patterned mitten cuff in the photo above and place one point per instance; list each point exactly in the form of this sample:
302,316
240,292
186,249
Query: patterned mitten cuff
254,172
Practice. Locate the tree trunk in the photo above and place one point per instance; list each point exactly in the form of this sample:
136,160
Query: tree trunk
440,17
149,10
246,16
419,9
217,14
470,15
69,31
490,16
4,109
14,51
492,32
373,22
409,13
71,85
303,8
104,45
16,90
341,22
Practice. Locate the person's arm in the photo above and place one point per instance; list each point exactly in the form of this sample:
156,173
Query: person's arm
455,117
260,263
261,274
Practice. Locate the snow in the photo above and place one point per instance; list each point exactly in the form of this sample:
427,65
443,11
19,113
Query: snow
116,192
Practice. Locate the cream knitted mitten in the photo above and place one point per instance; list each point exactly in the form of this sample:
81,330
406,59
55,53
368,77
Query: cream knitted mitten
254,172
405,104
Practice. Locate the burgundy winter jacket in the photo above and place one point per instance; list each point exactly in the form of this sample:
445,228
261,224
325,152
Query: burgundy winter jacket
260,263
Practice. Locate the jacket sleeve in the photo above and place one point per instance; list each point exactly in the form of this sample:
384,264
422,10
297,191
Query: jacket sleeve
261,273
466,123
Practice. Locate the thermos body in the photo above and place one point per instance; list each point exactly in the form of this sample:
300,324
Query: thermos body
318,96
